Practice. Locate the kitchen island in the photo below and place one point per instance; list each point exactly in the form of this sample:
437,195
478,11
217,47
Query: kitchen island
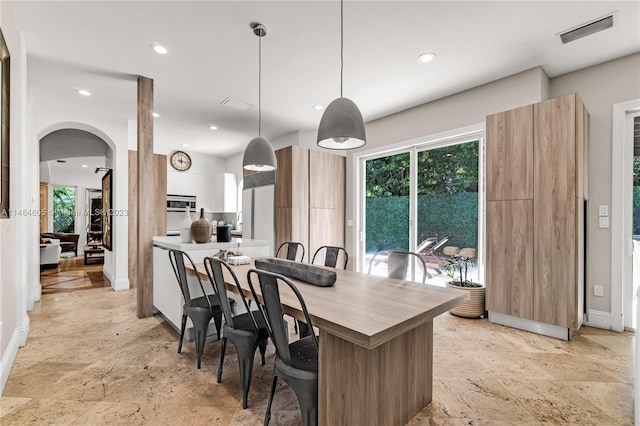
167,298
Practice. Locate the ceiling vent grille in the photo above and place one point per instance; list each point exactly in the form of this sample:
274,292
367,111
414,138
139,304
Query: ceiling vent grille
587,29
234,103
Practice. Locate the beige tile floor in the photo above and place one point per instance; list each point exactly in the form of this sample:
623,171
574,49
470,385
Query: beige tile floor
90,361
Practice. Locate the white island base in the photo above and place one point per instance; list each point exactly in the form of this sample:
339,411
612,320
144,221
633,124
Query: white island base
167,297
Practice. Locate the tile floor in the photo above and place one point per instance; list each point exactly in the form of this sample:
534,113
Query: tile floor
90,361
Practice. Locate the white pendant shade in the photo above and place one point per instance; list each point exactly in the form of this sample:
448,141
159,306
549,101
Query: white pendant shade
259,156
341,126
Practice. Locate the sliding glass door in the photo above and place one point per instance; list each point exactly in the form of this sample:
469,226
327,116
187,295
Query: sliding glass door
425,199
447,207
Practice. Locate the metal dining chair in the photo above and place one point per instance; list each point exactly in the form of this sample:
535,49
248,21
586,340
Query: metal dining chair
331,256
246,331
297,362
291,248
200,309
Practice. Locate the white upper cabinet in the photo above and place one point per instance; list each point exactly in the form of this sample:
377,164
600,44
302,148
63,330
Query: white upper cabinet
225,193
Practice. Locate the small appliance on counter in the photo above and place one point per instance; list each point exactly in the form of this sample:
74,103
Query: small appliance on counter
223,233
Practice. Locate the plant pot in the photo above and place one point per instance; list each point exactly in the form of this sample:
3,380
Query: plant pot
472,308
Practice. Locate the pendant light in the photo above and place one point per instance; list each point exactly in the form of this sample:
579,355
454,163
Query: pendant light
341,125
259,155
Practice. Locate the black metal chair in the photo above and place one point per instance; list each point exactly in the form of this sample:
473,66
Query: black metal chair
200,309
332,253
246,331
292,250
297,362
398,263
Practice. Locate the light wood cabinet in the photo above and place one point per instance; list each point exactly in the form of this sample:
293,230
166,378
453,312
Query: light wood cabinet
510,257
310,191
536,187
510,154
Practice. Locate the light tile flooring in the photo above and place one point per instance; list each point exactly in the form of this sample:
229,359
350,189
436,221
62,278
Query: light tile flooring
90,361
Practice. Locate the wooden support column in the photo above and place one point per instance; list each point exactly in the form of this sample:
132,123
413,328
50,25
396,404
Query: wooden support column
146,214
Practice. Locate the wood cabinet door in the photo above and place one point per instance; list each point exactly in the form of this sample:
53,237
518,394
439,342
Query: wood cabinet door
510,287
326,200
292,195
509,150
44,206
554,211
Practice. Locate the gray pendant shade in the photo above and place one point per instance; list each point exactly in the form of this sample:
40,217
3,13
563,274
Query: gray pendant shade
341,126
259,156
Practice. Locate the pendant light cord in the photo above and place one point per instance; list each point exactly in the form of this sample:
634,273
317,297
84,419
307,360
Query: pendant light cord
341,43
259,85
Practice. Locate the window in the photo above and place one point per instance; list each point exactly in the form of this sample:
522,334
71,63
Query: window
64,208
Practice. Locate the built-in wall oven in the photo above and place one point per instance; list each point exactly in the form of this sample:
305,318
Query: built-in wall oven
176,205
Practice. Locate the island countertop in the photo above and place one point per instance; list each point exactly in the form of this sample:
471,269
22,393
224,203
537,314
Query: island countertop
175,243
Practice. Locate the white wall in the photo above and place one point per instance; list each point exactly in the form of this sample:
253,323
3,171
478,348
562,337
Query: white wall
51,115
600,87
16,246
453,112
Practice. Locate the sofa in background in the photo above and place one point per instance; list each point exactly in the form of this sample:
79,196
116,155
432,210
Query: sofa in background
68,242
50,253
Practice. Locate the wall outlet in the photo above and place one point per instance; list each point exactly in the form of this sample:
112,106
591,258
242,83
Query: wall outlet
603,222
598,290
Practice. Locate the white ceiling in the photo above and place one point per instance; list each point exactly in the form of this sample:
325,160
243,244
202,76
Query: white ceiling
213,54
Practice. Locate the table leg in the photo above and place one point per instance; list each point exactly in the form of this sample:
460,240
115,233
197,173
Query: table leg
386,385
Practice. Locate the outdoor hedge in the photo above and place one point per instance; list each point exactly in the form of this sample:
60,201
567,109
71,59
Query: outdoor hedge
452,215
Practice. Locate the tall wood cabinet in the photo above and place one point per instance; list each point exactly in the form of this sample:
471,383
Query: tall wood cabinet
536,190
310,198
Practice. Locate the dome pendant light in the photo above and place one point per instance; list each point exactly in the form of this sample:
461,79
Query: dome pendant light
341,125
259,155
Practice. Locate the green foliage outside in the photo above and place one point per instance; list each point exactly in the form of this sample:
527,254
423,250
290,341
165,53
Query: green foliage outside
447,189
64,203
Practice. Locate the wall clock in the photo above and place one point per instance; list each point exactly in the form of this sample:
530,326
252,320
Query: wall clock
180,161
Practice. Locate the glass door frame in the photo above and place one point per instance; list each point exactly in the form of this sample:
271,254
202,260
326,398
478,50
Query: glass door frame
467,134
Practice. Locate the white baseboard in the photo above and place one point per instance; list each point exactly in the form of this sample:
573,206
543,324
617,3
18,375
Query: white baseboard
121,284
598,319
18,339
108,275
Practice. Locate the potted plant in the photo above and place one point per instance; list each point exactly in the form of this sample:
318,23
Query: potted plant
459,265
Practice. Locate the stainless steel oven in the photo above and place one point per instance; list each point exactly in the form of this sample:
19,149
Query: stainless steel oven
177,203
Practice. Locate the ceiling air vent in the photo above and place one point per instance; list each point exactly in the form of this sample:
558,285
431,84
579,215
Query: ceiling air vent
587,29
61,161
234,103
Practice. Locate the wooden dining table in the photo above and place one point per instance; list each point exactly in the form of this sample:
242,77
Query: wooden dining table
376,343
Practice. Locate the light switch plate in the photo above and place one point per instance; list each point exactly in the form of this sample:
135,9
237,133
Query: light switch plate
349,222
598,290
603,222
603,210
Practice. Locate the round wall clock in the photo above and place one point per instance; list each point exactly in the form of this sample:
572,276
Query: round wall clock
180,161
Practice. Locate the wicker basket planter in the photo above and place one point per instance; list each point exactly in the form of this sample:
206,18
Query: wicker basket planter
472,308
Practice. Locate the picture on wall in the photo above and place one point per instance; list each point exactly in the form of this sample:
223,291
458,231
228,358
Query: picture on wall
107,209
5,66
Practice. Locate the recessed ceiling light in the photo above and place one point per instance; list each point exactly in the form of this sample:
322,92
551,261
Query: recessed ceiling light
318,107
213,127
83,92
159,49
156,115
184,144
85,166
426,57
